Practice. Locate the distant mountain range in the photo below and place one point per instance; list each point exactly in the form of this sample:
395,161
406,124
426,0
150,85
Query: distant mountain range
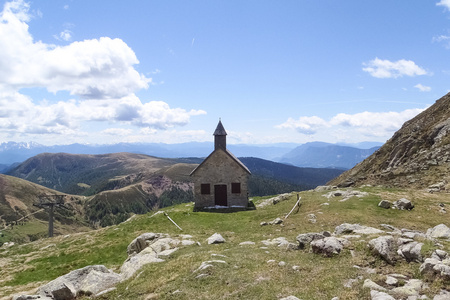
313,155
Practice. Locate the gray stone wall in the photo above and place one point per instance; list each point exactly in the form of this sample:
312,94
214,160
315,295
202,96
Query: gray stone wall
220,168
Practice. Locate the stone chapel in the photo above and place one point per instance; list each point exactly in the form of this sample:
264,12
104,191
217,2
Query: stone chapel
221,180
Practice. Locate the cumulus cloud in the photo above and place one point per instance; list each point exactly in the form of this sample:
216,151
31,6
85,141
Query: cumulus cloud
98,73
366,124
380,68
117,131
422,88
445,3
65,35
305,125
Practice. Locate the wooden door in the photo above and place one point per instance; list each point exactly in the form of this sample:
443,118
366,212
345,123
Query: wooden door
220,195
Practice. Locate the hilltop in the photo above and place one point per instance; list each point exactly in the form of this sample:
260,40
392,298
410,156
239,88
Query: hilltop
417,156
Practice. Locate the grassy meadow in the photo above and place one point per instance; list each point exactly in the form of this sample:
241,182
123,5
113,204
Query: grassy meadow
250,271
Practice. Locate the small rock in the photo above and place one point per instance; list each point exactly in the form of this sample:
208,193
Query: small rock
247,243
385,204
392,281
377,295
403,204
290,298
277,221
216,238
369,284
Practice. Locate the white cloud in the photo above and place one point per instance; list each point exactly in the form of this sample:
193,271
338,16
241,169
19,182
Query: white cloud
423,88
445,3
305,125
99,73
65,35
117,131
386,69
93,69
380,125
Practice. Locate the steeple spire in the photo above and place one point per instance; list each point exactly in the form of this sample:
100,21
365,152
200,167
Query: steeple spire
220,137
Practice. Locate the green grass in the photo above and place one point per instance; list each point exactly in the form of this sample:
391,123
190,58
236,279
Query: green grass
247,275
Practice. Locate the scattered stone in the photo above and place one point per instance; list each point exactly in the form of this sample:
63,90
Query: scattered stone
323,188
437,187
411,288
263,223
247,243
328,246
357,229
274,200
277,221
216,238
305,239
412,234
349,283
440,231
141,242
385,204
271,261
443,295
392,281
135,262
369,284
88,280
290,298
403,204
411,251
296,268
377,295
280,241
282,264
384,247
209,264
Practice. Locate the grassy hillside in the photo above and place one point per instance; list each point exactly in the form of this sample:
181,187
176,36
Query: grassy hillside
17,197
248,272
86,174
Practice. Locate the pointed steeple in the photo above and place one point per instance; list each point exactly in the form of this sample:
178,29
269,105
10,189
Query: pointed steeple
220,137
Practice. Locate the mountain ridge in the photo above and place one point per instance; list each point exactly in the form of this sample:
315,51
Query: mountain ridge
417,155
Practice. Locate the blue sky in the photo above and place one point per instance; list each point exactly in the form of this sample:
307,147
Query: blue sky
166,71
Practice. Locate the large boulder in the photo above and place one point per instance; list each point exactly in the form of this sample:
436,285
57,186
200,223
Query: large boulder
411,251
141,242
304,239
135,262
328,246
384,247
440,231
403,204
79,282
357,229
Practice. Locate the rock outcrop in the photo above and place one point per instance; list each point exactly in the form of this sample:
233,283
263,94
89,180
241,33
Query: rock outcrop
417,155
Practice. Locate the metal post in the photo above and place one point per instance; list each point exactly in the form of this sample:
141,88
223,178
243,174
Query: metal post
50,221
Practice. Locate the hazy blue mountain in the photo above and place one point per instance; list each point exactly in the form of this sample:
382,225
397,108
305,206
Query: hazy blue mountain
324,155
296,154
